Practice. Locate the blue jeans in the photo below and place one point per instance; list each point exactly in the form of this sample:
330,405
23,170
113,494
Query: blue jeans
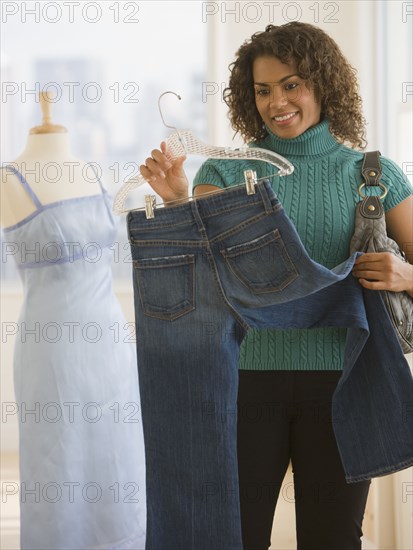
204,273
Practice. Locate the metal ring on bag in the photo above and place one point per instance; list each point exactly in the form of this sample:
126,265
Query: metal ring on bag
379,184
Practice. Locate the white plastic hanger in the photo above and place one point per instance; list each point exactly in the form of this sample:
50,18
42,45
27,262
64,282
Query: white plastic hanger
184,142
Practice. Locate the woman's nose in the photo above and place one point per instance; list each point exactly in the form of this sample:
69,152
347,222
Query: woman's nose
277,96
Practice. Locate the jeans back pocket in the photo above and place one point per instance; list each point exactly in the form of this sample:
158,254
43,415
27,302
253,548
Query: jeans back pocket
166,285
263,264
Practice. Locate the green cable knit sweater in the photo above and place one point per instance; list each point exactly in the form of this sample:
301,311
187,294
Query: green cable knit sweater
319,197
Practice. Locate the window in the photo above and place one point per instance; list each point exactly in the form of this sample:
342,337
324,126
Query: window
106,63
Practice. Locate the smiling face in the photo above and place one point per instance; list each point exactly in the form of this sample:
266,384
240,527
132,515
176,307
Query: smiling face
286,105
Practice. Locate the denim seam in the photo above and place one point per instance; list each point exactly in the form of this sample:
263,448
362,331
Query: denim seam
263,191
378,431
380,471
197,244
235,206
173,223
217,212
255,244
238,228
150,225
351,359
221,292
170,261
210,257
256,200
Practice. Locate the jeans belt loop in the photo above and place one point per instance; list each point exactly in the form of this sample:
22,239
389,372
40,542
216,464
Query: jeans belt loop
262,187
198,218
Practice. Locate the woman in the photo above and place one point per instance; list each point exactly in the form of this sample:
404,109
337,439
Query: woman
292,91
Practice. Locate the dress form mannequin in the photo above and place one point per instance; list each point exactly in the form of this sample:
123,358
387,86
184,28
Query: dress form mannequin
49,167
61,234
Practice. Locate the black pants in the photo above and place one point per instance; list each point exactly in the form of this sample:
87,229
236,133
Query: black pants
283,416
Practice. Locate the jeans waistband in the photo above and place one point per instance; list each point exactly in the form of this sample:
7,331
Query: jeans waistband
207,206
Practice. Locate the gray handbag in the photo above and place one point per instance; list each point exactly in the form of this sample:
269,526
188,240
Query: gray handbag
370,235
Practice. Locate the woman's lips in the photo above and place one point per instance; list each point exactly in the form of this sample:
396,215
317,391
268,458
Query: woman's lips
283,120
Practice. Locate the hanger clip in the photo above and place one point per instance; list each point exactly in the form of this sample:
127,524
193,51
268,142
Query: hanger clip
250,181
150,203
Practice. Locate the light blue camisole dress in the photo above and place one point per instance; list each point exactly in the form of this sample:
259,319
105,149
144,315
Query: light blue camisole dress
82,464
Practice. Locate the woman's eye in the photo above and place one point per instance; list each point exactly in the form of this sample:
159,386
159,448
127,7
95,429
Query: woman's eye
262,92
291,85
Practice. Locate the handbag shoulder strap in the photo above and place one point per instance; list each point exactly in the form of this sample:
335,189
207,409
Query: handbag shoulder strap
371,168
371,207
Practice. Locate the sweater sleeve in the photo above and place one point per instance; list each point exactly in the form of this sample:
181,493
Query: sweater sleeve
398,186
225,172
208,174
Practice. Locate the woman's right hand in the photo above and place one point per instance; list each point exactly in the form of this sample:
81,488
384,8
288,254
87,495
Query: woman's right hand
166,176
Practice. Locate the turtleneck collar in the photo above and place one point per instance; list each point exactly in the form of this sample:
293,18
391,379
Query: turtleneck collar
316,141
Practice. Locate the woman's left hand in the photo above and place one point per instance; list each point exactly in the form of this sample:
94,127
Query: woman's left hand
383,271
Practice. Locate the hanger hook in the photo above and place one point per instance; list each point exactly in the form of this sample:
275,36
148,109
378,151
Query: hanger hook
163,120
160,110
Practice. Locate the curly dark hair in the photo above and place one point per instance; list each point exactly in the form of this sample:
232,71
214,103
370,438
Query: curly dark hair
319,61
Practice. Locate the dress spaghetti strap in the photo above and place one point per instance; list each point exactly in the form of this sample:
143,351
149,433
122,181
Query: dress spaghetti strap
103,190
26,186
